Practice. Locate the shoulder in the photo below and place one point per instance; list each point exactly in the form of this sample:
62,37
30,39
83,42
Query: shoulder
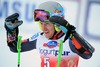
35,36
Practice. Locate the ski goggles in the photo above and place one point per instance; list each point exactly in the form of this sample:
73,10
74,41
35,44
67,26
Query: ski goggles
41,15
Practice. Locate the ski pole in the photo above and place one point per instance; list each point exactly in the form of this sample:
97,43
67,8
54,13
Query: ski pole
19,48
60,53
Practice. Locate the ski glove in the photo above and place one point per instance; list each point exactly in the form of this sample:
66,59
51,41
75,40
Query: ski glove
12,21
11,26
62,24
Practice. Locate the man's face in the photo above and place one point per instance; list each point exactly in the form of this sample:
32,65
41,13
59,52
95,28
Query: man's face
48,29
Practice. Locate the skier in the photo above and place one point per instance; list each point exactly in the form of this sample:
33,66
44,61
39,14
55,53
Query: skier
50,16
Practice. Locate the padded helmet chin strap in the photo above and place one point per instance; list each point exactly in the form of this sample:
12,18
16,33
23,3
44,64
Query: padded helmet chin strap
57,28
39,24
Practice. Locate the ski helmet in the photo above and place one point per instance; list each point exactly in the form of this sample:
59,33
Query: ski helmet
53,8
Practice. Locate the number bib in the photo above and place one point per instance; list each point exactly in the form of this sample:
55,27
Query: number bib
48,50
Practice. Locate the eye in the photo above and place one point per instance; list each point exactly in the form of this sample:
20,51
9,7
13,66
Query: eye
48,23
41,23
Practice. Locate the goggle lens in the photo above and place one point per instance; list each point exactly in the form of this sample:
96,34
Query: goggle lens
41,15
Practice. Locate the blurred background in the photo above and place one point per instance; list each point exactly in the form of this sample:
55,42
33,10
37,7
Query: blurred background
83,14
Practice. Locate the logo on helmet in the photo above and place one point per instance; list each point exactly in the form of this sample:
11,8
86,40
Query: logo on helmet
57,11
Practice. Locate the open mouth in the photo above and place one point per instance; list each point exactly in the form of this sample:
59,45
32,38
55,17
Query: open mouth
46,32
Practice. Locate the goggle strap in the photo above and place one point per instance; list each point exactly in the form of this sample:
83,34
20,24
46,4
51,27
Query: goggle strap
46,20
49,12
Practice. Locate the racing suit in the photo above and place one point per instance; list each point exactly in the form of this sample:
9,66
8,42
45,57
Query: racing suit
48,48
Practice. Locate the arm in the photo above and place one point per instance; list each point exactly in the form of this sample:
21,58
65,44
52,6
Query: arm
77,44
11,26
25,46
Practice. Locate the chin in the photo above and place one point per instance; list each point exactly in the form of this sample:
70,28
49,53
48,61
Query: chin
47,36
